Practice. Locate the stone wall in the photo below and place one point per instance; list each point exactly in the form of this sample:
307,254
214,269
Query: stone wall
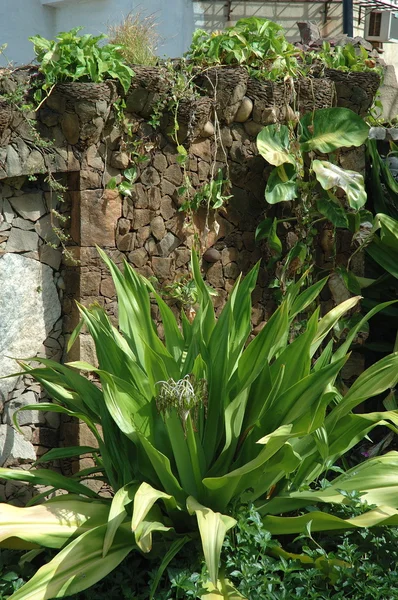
31,284
218,127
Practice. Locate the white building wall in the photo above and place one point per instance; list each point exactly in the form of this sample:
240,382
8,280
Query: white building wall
20,19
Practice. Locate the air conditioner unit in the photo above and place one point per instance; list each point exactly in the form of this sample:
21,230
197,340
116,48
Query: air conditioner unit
381,26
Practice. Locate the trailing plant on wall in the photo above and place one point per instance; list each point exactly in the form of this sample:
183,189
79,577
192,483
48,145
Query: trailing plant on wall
192,425
319,189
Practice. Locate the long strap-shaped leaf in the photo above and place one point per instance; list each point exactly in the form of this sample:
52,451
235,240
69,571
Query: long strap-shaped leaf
322,521
78,566
51,524
212,528
46,477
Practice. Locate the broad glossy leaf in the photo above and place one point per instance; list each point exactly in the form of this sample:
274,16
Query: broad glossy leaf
281,184
328,129
330,176
212,528
274,145
384,255
333,211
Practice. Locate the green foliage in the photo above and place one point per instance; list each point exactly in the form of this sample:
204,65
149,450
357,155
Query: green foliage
258,44
199,422
343,58
72,57
325,131
362,565
185,291
213,194
125,187
299,174
261,46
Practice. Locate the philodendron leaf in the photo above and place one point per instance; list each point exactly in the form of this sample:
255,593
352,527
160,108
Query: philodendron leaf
328,129
212,528
281,184
330,208
273,144
330,175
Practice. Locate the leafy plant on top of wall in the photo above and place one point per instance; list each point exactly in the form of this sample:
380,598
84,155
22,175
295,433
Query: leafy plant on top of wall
72,57
261,46
190,427
319,190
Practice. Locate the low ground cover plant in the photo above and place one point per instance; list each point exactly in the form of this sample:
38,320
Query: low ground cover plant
195,424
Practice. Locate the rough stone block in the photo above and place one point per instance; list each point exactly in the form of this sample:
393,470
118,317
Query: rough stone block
71,127
138,257
29,206
22,241
107,288
150,177
169,243
90,283
14,448
173,173
157,228
99,213
162,267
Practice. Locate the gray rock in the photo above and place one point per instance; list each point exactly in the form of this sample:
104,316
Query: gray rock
8,213
44,228
22,241
13,163
393,134
157,228
29,307
24,417
29,206
244,110
71,127
252,128
50,256
168,244
120,160
377,133
136,100
23,224
309,32
208,130
13,447
150,177
35,162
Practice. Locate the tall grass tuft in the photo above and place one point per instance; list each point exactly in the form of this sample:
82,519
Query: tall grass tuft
139,37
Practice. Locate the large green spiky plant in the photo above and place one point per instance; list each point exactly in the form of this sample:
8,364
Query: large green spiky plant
194,423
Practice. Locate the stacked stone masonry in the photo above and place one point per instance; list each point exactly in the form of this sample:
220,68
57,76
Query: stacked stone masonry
88,150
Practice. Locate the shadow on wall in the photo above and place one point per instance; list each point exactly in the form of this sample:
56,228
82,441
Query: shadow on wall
213,15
